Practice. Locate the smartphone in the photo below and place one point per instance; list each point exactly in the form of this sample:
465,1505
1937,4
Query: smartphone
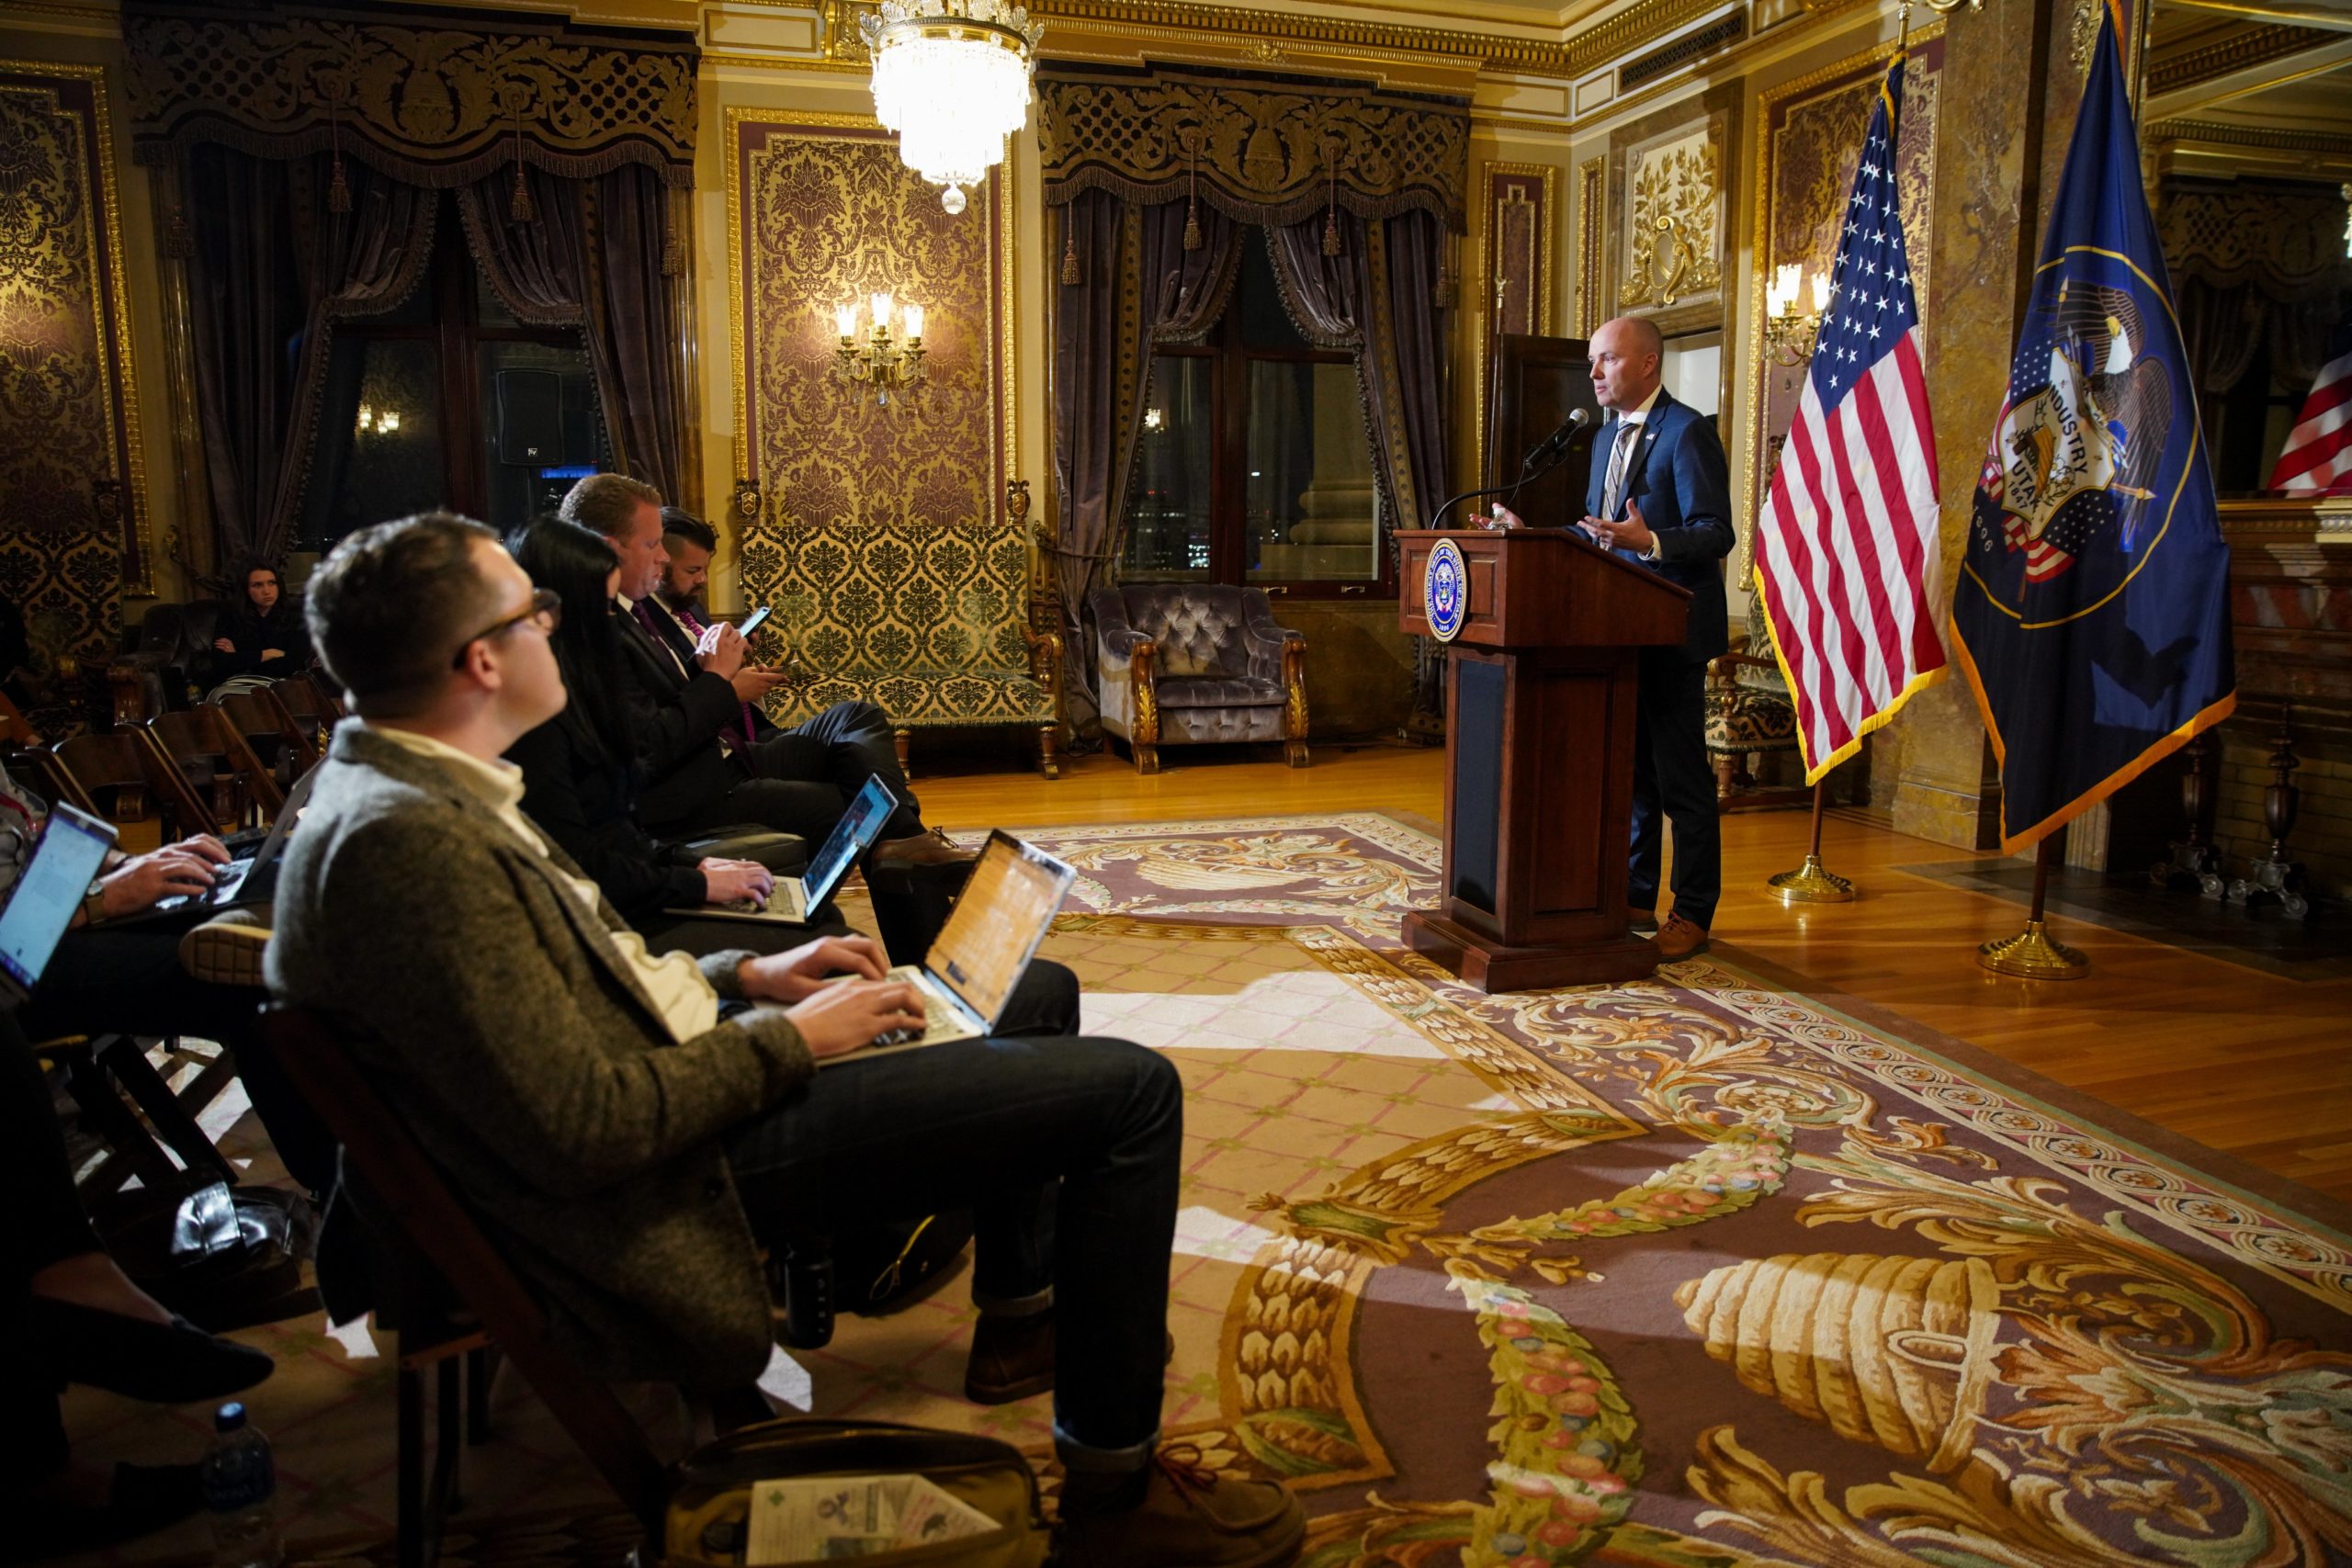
751,622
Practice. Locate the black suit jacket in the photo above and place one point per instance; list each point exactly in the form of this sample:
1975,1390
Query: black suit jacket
582,797
1678,478
672,634
677,719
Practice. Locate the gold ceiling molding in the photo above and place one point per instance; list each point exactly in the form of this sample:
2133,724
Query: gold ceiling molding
434,99
1631,27
1264,149
2222,133
2254,46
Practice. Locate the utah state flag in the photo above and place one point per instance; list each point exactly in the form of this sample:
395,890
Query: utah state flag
2092,610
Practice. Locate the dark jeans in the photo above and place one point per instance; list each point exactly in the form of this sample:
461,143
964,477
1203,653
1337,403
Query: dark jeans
46,1225
127,979
1066,1149
1672,780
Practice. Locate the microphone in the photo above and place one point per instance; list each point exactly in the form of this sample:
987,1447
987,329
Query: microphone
1551,444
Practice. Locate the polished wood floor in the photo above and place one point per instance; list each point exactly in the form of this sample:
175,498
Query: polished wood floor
2257,1066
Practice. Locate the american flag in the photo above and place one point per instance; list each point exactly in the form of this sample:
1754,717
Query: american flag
1848,554
2318,458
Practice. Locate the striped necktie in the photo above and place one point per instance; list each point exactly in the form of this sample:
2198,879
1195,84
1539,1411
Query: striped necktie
1612,495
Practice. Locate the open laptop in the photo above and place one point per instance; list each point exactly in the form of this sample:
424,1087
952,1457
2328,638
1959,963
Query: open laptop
41,906
983,949
795,897
242,869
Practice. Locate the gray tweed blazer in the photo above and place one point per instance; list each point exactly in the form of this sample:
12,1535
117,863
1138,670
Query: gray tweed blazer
499,1020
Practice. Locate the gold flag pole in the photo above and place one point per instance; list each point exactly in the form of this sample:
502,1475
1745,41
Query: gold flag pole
1809,884
2032,954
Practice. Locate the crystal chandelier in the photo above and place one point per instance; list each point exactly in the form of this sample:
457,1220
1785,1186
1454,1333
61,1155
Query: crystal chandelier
952,78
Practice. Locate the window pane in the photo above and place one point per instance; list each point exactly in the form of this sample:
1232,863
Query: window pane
378,454
1265,322
1311,513
1168,498
540,429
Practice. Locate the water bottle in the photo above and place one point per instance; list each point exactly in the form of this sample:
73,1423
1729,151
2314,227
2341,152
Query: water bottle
239,1482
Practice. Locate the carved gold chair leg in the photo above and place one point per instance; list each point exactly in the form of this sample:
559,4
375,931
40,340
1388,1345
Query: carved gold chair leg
898,739
1294,701
1142,665
1048,739
1147,757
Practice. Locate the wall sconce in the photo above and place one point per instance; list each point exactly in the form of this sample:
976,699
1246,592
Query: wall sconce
377,422
1154,421
882,362
1789,332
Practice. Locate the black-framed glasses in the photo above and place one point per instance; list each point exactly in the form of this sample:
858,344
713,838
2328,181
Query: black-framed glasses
545,608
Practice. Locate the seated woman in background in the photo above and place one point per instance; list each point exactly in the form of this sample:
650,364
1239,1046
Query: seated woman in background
261,634
579,770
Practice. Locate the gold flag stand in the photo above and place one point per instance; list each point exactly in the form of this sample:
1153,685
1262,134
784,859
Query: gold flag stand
2032,954
1809,884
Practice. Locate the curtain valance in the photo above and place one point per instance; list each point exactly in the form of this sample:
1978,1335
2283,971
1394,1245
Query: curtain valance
1260,149
436,101
2286,241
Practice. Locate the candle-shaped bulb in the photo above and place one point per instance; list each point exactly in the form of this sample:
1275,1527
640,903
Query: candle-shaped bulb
912,314
845,318
880,304
1821,293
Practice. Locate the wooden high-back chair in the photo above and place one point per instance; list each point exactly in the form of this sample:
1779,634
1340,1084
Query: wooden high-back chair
438,1235
267,746
195,743
85,764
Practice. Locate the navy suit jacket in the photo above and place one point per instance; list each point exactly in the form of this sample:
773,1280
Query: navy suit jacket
1677,476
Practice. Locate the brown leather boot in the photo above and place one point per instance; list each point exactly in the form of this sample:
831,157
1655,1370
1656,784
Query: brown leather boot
930,848
1679,938
1641,922
1185,1517
1012,1358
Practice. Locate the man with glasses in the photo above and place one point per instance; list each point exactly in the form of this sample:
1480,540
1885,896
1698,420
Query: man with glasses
632,1128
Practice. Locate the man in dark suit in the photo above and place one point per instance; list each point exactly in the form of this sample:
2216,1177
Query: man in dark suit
1659,495
710,759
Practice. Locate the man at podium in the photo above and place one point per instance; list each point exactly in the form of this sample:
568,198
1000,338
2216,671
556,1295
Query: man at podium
1659,495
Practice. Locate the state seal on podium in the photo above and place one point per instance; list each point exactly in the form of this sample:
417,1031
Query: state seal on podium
1445,590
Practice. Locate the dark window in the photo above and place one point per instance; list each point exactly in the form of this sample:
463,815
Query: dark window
449,400
1255,462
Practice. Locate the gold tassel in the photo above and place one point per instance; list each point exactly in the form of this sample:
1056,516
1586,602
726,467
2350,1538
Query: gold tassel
1072,276
338,188
518,205
1332,233
1330,200
1192,227
1193,192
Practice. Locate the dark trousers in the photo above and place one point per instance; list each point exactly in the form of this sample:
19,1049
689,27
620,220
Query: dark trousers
1673,783
1066,1149
802,779
128,980
46,1225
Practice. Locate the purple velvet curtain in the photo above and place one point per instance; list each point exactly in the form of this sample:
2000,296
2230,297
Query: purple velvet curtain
272,269
1377,299
1137,287
593,254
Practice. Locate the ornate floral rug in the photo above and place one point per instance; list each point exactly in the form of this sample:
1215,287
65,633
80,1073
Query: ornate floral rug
1695,1271
1688,1271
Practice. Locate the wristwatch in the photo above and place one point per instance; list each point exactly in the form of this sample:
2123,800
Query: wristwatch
94,904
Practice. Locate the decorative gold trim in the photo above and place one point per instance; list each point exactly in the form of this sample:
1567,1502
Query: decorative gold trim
726,60
116,321
2265,43
1752,472
1593,221
2222,133
1488,277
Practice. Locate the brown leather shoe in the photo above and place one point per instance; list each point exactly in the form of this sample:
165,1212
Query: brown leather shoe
1012,1358
1643,922
930,848
1188,1517
227,949
1679,938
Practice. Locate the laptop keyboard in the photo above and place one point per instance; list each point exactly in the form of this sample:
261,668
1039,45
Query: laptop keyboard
935,1015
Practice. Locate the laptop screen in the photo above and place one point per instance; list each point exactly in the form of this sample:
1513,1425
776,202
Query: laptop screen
848,840
1000,919
72,848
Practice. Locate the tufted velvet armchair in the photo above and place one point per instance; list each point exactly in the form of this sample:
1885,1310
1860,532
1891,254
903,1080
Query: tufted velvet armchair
1183,663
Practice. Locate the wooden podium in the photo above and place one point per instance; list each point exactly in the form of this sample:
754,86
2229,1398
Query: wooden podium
1539,753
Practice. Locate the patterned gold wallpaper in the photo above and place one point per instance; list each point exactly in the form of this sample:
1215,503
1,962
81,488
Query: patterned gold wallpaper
72,531
822,214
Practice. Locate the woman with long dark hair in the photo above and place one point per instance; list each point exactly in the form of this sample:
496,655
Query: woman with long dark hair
579,769
260,633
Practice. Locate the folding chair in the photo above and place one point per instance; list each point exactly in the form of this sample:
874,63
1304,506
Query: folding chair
195,742
124,760
304,708
444,1252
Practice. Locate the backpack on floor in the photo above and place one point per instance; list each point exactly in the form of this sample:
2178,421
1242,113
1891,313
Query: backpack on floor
709,1523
